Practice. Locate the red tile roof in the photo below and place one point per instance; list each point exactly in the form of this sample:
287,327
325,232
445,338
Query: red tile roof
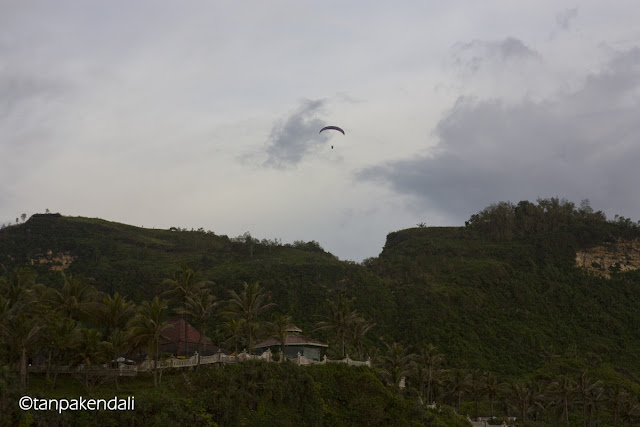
175,333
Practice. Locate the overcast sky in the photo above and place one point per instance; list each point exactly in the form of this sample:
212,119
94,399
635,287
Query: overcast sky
206,113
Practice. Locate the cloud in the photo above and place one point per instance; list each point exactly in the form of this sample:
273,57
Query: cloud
295,136
582,144
473,56
564,18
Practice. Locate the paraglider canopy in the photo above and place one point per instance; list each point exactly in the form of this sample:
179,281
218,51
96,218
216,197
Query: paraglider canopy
332,128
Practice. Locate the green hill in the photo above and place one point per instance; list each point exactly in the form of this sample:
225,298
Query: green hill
134,262
492,296
527,291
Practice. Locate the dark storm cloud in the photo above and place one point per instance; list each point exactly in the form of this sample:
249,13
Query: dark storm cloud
295,136
584,144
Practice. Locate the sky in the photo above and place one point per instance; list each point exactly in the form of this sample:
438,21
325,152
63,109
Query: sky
206,114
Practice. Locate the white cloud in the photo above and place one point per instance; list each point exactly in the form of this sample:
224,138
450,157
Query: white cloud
139,112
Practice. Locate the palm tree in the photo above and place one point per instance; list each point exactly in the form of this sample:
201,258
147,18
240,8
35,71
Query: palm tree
524,397
428,362
75,300
594,397
340,320
147,328
17,287
5,315
25,332
115,312
564,390
62,335
232,328
477,389
629,409
583,389
90,351
201,306
279,329
117,342
615,398
248,306
358,330
183,286
459,384
491,387
395,363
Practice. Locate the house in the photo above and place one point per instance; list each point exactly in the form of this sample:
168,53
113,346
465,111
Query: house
294,343
173,340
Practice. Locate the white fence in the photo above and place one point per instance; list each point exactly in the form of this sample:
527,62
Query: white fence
172,362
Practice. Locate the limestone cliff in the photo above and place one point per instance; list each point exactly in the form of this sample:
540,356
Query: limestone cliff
58,262
622,255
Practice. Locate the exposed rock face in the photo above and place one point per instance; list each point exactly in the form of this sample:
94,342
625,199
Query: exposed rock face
622,255
59,262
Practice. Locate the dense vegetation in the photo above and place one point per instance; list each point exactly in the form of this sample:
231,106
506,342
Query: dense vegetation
490,318
499,292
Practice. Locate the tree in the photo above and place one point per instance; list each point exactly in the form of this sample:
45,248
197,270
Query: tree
76,300
62,335
90,350
594,397
358,330
115,312
563,390
23,216
340,320
279,331
428,362
395,363
615,397
491,388
459,384
584,388
147,328
629,409
25,332
247,306
18,321
477,389
524,398
18,286
201,306
232,329
117,342
184,285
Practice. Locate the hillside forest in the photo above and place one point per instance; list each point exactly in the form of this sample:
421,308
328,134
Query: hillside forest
494,319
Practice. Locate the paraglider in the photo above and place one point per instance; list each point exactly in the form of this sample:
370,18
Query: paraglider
332,128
